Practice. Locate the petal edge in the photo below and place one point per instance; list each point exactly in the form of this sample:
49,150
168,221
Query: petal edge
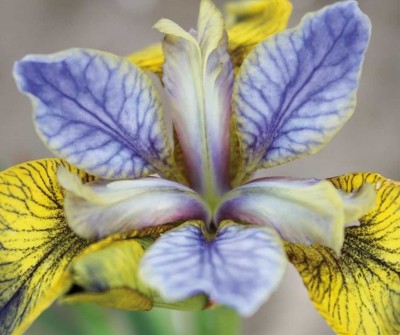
296,90
359,293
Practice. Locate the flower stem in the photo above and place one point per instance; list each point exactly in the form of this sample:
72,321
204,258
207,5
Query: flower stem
220,320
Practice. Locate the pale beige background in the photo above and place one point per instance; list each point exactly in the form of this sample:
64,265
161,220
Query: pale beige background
369,142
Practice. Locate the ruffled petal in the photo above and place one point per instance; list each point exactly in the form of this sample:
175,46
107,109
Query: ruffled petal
198,78
301,211
250,22
239,267
106,273
97,111
358,293
36,244
296,90
100,209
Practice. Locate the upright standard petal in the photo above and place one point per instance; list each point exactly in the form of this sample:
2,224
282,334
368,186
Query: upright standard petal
198,78
36,244
296,90
301,211
100,209
97,111
359,293
239,267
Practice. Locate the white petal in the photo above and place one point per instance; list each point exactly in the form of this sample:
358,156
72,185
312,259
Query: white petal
100,209
198,78
301,211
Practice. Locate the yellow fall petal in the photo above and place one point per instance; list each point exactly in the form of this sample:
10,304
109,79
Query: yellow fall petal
120,298
248,22
150,59
251,22
358,293
36,245
107,274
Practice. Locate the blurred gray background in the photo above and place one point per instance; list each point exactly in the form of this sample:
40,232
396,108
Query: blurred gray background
369,142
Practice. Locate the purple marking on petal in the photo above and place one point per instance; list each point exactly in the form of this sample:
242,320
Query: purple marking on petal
296,90
97,111
240,268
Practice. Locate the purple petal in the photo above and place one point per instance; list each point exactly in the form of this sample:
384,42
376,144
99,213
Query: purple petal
296,90
97,111
240,267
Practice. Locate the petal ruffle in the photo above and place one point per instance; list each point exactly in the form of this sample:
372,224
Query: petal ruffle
296,90
301,211
101,209
198,78
358,293
97,111
239,267
36,244
250,22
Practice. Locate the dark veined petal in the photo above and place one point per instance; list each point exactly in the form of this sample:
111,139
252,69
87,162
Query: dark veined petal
358,293
239,267
36,245
296,90
300,210
250,22
98,111
100,209
106,273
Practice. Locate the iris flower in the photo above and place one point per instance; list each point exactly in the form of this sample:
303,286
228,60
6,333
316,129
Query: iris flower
135,214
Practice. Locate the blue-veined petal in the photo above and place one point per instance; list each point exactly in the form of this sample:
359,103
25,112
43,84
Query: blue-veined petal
198,78
97,111
301,211
239,267
100,209
296,90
